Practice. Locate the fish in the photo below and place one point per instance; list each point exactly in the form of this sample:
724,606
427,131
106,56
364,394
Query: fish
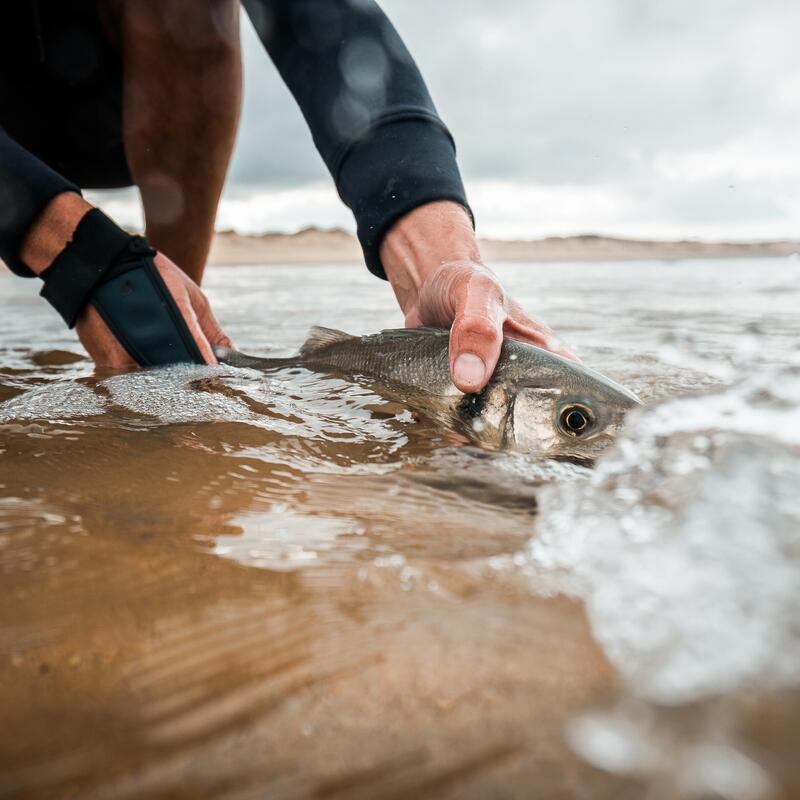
536,402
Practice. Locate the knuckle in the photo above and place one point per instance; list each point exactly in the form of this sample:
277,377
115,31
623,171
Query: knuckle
475,327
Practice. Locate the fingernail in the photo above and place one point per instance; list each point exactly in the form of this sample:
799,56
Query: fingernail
469,370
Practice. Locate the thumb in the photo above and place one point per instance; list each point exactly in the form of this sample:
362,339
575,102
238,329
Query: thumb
194,307
477,333
211,328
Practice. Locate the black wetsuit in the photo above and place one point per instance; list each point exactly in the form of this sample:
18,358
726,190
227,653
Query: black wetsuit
61,110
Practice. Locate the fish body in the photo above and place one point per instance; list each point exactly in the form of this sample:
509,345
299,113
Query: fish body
536,402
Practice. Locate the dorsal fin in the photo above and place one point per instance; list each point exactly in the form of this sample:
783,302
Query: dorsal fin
424,329
319,337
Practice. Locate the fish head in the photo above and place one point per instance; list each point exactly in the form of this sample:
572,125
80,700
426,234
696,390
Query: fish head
574,419
541,403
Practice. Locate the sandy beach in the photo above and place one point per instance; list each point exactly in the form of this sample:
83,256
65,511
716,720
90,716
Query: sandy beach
318,246
314,245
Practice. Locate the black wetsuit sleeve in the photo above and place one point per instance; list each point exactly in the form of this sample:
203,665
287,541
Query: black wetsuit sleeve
369,111
26,186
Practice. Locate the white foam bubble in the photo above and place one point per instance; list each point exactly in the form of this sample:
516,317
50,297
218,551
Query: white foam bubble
53,401
168,395
684,544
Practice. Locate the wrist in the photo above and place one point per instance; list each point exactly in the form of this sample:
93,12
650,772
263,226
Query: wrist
97,250
52,230
424,240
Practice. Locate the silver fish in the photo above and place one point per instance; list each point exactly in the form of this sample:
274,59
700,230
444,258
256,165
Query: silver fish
536,402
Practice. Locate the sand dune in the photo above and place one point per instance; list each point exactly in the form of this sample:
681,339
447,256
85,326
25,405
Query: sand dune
314,245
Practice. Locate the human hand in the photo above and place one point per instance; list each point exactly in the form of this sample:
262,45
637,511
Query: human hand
105,349
51,233
432,261
469,299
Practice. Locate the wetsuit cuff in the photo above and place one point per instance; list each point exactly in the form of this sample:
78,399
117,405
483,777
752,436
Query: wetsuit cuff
401,165
84,263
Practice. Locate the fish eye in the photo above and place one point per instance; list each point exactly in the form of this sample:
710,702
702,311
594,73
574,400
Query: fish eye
575,420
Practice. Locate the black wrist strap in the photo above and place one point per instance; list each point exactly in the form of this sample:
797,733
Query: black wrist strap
72,278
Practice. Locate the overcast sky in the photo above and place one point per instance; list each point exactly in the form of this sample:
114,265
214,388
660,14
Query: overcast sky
631,117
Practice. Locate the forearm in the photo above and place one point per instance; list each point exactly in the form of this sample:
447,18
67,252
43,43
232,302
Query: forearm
52,230
27,185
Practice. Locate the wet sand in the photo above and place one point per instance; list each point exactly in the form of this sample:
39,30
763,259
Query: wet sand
137,661
221,584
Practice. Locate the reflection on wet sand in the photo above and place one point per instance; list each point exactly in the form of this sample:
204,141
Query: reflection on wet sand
186,673
220,585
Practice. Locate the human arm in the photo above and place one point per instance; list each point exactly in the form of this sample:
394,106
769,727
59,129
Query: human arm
393,161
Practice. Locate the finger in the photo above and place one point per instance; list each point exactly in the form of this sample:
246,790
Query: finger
211,328
188,296
525,333
413,318
520,326
193,323
477,332
181,295
524,322
561,349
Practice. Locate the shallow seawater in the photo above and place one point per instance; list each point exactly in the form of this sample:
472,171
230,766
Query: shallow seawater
215,583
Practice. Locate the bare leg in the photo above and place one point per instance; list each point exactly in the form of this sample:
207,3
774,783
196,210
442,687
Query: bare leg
182,90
